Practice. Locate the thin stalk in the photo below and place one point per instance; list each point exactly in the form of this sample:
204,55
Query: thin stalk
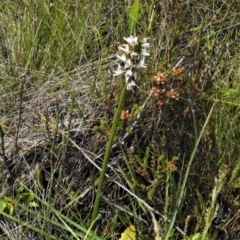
107,153
66,142
5,160
166,205
17,148
19,117
182,189
53,146
52,163
192,102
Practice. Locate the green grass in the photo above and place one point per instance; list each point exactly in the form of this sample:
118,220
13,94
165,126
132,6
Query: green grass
173,170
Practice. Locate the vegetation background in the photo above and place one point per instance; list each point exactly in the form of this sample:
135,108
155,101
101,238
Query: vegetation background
174,166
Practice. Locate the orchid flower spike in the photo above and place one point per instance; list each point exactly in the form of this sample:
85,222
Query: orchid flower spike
130,59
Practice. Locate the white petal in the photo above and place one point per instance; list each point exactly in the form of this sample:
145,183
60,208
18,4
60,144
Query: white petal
131,85
145,45
132,41
134,55
141,63
144,52
124,48
118,72
128,75
128,64
122,57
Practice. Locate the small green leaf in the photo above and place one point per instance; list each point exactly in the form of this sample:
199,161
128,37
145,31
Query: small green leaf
10,208
72,193
33,204
3,205
133,15
26,197
129,233
6,207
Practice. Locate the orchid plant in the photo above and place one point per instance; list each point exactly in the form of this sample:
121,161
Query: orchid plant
130,58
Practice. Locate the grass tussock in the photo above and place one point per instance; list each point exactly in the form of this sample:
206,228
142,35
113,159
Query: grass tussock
173,171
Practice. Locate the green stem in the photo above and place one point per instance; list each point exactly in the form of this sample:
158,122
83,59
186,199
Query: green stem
107,153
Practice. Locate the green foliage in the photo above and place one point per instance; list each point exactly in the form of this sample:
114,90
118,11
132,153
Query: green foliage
235,176
144,162
49,36
196,236
153,173
212,210
103,127
133,16
6,207
63,222
129,233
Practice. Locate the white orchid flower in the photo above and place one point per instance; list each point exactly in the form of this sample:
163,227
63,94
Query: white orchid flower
144,52
144,43
134,55
131,85
128,75
132,41
124,48
141,63
122,58
128,64
118,72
